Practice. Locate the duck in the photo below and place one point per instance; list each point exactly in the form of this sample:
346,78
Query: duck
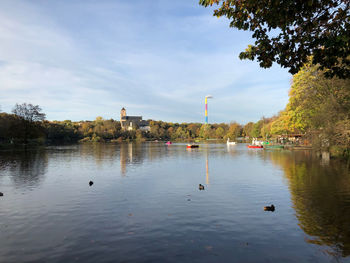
269,208
1,194
91,183
201,187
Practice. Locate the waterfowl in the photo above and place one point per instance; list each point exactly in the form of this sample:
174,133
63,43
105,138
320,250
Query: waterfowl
1,194
91,183
201,187
269,208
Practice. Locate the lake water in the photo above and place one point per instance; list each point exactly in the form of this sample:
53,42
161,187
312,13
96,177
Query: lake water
145,205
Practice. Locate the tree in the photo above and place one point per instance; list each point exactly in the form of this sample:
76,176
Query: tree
234,131
205,131
282,124
219,132
256,131
319,107
316,102
288,32
30,115
154,129
247,129
29,112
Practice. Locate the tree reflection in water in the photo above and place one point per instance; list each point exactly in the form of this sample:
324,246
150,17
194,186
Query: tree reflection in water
321,198
25,167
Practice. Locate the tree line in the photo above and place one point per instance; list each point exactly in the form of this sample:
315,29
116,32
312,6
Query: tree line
318,109
27,124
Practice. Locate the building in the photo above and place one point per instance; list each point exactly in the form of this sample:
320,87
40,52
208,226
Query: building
133,122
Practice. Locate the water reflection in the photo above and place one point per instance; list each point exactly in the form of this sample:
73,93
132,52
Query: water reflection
130,153
207,171
321,199
24,167
102,153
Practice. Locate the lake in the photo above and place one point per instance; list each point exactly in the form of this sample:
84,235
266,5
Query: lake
145,205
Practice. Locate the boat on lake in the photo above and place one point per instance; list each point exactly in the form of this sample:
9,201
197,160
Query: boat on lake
192,146
255,146
273,146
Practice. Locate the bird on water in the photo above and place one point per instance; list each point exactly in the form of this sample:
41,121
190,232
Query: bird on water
269,208
91,183
201,187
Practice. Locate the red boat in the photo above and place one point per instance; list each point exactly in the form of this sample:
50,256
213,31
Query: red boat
255,146
192,146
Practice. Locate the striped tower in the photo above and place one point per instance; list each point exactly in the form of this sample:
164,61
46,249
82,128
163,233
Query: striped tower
206,108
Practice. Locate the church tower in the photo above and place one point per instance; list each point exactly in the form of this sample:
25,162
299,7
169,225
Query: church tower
123,117
122,113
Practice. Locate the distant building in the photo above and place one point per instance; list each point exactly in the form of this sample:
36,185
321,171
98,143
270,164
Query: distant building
133,122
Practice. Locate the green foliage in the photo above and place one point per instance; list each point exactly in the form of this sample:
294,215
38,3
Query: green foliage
282,125
30,117
256,130
247,129
235,130
319,107
15,129
204,132
61,132
288,32
220,133
8,128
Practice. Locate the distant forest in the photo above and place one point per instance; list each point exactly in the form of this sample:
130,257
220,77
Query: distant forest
318,108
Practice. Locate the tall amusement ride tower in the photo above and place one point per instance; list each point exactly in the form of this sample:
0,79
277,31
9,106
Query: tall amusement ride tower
206,107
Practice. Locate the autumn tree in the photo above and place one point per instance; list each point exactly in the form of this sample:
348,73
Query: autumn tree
283,124
256,130
317,106
317,102
219,132
235,130
288,32
205,131
247,129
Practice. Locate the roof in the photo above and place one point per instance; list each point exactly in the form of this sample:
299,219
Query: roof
133,118
144,123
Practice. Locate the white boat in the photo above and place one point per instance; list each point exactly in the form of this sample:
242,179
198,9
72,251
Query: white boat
230,143
256,142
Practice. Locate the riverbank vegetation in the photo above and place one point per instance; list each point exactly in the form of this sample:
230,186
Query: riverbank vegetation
318,110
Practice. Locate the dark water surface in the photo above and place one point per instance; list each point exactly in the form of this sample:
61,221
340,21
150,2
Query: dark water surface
145,205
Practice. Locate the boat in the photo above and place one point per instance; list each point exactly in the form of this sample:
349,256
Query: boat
273,146
168,143
230,143
255,146
192,146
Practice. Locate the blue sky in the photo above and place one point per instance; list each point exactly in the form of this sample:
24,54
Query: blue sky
79,59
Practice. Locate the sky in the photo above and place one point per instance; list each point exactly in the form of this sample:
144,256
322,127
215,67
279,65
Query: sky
79,59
